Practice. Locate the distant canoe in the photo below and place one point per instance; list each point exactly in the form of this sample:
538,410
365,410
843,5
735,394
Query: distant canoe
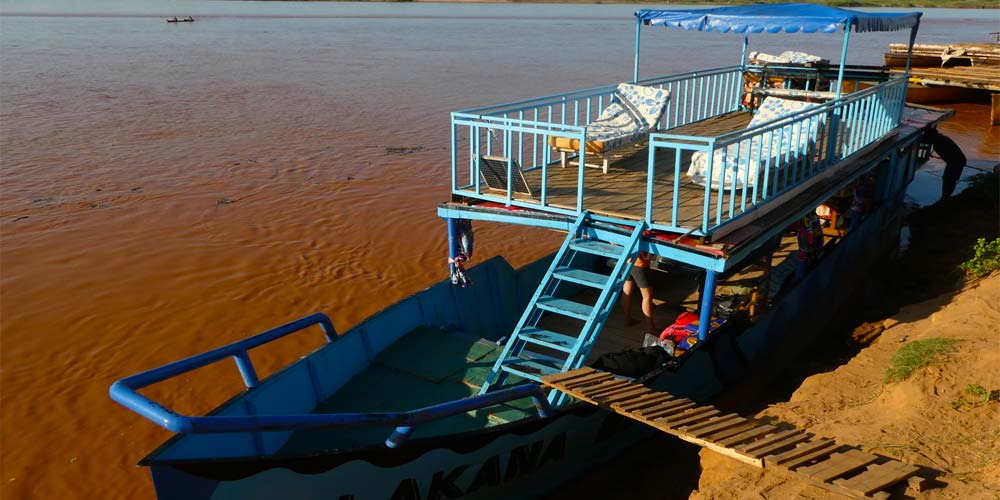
188,19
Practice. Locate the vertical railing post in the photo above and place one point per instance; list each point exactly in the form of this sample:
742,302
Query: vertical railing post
329,331
582,161
650,163
398,436
245,366
520,139
707,299
476,153
508,136
454,154
708,187
546,157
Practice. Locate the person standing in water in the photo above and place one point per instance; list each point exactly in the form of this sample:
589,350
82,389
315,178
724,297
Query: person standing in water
639,278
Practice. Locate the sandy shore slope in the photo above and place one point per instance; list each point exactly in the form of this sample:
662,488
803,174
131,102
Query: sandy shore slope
914,420
928,419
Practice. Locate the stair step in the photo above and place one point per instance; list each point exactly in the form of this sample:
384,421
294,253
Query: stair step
597,248
580,276
528,369
564,307
553,340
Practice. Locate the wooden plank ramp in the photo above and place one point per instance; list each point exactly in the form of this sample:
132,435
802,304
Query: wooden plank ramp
778,447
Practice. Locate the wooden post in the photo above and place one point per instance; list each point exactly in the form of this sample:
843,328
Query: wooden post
995,109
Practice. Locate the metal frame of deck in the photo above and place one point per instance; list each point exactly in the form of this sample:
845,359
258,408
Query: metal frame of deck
699,117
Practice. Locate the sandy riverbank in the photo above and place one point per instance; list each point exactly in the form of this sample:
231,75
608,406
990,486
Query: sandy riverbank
931,419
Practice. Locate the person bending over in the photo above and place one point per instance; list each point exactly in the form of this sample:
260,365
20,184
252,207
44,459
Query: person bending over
954,160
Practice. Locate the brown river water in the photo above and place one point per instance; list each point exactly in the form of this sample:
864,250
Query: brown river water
166,189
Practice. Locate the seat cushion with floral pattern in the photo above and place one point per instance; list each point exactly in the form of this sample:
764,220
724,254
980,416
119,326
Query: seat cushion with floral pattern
741,162
634,111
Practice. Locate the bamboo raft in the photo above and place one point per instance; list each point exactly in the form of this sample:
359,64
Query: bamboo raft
772,446
969,77
950,72
952,54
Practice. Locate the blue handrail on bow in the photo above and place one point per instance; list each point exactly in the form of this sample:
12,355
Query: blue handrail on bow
124,391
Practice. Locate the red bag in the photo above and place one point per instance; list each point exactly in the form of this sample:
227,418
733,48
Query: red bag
678,331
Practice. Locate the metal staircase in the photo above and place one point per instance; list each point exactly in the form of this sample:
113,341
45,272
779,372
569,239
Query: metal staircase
533,352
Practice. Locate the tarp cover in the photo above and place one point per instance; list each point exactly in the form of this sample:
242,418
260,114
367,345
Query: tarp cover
775,18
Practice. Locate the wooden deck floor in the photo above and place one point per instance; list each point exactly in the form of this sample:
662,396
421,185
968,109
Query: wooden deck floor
622,191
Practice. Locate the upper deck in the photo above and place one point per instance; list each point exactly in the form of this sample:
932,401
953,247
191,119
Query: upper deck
811,153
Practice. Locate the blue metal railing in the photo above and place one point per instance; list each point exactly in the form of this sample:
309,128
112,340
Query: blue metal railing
520,131
124,391
748,167
805,144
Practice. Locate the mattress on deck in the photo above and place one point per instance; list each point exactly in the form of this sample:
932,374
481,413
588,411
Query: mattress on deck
425,367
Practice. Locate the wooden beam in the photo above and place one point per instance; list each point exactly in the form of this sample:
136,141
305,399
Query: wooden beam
995,108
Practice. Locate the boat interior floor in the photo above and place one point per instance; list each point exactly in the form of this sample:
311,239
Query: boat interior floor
425,367
429,366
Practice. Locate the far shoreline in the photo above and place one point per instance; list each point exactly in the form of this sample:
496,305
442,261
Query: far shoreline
847,4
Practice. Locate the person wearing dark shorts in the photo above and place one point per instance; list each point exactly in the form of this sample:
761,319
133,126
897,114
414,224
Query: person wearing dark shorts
639,278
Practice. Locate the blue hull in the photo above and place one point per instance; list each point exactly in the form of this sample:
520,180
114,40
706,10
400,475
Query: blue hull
526,458
520,460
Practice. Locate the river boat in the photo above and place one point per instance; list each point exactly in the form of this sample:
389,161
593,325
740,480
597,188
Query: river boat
187,19
437,397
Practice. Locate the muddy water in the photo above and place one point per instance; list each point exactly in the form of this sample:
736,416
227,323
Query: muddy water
167,189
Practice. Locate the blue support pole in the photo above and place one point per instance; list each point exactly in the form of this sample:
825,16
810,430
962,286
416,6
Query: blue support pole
743,54
707,298
451,246
843,58
909,48
635,66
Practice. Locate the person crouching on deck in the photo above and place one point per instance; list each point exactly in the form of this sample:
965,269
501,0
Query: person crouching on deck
639,278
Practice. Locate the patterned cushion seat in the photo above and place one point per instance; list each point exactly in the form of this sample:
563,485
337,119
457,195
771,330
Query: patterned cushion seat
741,162
634,111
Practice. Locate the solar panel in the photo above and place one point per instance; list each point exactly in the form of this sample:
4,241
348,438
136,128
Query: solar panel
494,171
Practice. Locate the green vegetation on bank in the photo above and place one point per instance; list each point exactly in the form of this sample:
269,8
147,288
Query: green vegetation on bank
986,258
915,355
975,395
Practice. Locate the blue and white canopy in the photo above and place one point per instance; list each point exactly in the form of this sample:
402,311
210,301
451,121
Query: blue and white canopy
775,18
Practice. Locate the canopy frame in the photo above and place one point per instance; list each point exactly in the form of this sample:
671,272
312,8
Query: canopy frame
768,19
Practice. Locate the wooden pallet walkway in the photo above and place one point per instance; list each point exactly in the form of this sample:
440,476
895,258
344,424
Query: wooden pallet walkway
778,447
